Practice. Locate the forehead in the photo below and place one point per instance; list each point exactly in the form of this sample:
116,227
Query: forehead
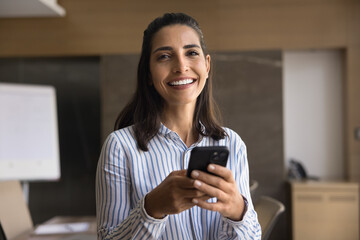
174,35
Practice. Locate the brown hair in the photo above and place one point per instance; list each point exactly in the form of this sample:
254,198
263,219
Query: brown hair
145,108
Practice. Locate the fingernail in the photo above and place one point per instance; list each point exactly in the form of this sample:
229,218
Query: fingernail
195,174
197,183
211,167
195,201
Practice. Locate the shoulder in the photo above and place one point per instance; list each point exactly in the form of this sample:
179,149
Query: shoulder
234,139
237,147
122,137
231,135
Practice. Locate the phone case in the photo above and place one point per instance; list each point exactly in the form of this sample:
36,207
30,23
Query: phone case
201,157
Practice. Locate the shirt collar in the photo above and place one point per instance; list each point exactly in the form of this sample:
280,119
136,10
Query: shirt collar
164,131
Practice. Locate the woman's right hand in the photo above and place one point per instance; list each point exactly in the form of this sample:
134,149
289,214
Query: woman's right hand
172,196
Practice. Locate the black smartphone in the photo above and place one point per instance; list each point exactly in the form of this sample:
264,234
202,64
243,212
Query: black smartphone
201,157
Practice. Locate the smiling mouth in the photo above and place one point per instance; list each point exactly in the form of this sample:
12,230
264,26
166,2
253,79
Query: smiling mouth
181,82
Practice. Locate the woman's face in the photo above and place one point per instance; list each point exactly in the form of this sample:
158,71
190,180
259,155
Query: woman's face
178,66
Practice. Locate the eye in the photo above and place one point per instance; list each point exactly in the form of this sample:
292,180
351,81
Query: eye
163,56
192,53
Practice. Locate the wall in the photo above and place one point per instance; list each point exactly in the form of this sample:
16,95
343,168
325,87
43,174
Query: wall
108,27
313,119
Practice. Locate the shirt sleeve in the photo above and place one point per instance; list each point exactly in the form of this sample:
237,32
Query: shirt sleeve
117,217
248,227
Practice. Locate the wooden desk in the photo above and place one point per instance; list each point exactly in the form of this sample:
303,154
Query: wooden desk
58,220
325,210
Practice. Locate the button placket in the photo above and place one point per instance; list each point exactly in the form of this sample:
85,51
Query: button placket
186,158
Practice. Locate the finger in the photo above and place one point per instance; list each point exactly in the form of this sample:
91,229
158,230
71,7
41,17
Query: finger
215,181
210,190
221,171
192,193
212,206
234,212
182,172
182,206
204,198
177,180
190,202
184,183
178,173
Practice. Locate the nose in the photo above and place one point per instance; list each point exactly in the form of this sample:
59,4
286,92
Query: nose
180,65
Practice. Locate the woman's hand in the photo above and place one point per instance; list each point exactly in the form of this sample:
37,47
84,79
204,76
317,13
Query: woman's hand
173,195
230,202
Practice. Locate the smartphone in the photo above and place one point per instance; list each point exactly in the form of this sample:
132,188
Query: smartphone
201,157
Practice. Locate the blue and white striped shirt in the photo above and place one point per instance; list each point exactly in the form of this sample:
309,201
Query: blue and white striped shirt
126,174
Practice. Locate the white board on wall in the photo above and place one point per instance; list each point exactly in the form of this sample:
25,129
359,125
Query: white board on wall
29,145
313,113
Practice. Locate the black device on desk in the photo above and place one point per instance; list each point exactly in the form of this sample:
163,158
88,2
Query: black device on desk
201,157
298,172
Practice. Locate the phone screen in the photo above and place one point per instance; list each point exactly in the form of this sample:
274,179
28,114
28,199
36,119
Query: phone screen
201,157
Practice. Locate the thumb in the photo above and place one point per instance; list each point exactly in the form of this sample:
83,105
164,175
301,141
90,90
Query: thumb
178,173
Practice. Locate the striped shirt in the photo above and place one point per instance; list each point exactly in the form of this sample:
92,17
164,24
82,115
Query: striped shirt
126,174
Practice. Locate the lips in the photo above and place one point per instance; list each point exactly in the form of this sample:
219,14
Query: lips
181,82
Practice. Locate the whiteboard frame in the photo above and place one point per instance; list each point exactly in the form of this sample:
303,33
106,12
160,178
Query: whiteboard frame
29,168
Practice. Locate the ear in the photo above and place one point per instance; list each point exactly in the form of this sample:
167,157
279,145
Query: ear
207,63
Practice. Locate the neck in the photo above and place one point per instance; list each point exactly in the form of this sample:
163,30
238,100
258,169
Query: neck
180,120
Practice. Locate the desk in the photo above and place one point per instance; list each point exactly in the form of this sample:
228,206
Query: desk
59,220
325,210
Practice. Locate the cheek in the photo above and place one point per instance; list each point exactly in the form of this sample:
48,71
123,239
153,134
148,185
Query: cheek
202,68
153,75
201,65
156,79
157,71
203,85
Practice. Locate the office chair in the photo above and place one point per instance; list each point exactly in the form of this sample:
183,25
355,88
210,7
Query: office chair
268,210
253,186
14,213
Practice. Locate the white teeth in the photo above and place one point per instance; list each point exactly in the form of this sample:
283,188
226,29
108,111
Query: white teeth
181,82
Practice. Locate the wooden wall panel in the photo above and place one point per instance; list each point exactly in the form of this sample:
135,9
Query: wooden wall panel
281,26
353,90
106,27
353,112
118,83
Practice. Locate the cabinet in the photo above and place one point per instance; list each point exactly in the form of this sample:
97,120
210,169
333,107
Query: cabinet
325,210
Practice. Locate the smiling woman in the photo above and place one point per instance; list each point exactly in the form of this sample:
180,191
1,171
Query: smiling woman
145,109
142,190
178,67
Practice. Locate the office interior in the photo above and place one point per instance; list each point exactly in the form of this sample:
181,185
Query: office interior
90,54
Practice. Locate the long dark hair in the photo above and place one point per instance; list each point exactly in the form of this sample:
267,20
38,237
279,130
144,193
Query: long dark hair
145,108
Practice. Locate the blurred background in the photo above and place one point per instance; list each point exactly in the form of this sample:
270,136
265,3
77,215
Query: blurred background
286,75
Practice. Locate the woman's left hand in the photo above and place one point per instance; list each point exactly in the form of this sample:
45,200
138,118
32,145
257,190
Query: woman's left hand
230,202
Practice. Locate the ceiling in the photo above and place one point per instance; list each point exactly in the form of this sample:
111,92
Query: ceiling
30,8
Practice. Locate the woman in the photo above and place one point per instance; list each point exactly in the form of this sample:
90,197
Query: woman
142,190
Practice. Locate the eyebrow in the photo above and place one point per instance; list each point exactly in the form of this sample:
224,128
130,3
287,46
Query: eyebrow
170,48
